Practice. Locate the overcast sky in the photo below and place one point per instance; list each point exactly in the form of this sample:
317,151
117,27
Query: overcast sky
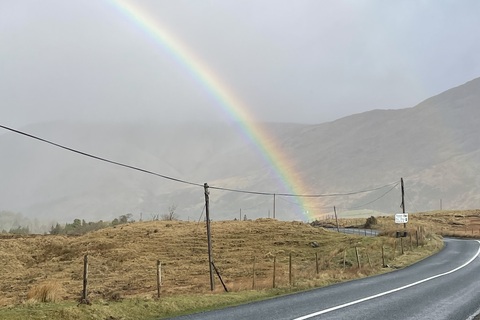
287,61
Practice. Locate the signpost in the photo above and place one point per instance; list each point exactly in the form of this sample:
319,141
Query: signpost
401,218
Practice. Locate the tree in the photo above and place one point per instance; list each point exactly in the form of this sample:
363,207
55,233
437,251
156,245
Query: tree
57,229
125,218
19,230
171,215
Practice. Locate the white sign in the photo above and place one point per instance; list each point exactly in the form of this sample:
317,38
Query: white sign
401,218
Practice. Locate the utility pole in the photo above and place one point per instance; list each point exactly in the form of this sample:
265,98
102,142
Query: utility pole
274,199
403,200
336,219
209,236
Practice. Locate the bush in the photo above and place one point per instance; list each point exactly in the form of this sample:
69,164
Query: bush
45,292
370,222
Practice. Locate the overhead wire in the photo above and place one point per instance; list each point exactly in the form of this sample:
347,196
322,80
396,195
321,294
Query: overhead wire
411,202
86,154
383,195
100,158
305,195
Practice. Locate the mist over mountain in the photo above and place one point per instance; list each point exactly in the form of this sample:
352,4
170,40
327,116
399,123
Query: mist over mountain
434,146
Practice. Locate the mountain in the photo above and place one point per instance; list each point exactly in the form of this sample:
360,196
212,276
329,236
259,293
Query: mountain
434,146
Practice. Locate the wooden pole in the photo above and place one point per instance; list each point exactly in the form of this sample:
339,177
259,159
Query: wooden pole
274,270
368,258
274,200
358,257
383,257
85,279
209,236
253,283
159,278
394,248
336,218
401,244
344,258
290,269
403,201
316,263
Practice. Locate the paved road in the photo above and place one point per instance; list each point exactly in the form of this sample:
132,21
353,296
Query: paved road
444,286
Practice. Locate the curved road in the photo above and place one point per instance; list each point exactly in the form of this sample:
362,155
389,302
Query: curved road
444,286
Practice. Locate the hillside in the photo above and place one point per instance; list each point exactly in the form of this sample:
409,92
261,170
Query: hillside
122,259
434,146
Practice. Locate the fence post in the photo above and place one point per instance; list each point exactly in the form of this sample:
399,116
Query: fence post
253,283
290,269
316,263
383,257
85,280
159,278
344,258
401,244
274,270
368,258
358,257
394,248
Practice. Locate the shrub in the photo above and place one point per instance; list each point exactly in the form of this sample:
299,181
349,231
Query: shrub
370,222
45,292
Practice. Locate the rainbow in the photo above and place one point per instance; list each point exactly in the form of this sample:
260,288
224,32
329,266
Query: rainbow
228,101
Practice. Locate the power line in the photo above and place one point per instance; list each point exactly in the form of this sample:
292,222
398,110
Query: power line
185,181
306,195
100,158
304,206
411,202
383,195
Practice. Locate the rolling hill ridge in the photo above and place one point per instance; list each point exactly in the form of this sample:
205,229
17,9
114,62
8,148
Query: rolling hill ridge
434,146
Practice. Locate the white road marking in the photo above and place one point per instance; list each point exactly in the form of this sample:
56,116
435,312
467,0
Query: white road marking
311,315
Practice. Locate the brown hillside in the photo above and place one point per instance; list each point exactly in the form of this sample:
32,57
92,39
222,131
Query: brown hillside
122,259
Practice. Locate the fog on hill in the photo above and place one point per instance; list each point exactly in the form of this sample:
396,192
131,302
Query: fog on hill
434,146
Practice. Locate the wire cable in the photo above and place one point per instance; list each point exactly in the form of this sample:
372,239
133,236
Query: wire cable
411,202
305,195
100,158
383,195
201,215
184,181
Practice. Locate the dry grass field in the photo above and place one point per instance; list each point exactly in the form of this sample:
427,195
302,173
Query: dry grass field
122,263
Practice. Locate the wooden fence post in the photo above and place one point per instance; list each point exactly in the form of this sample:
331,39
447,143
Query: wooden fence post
383,257
316,263
358,257
274,270
401,244
253,282
159,278
290,269
344,258
368,258
394,248
85,281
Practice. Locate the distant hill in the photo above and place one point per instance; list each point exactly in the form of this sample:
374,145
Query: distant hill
434,146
